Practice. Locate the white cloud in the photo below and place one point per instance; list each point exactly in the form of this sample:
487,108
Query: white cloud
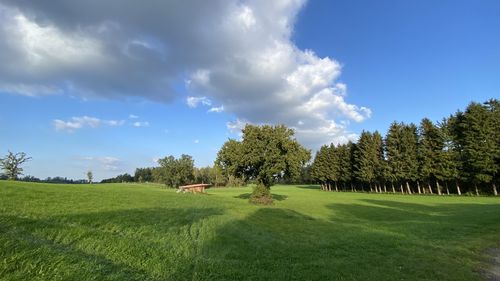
196,141
106,163
132,116
82,122
236,53
217,109
140,124
236,126
193,102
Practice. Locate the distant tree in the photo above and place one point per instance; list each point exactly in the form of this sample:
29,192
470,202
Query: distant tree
265,154
176,172
90,176
11,164
143,175
204,175
119,179
319,168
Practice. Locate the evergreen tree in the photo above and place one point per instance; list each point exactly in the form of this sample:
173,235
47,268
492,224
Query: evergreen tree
344,164
479,144
366,159
449,161
332,170
379,161
408,150
430,146
393,143
319,167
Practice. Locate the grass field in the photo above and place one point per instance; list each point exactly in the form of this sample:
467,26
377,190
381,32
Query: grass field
141,232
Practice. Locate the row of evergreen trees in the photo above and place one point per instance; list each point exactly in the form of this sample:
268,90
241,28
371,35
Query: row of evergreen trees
459,154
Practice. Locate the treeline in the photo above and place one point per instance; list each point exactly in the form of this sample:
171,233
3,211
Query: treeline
50,180
174,172
459,154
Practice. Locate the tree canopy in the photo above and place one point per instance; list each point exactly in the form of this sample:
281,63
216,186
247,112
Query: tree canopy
11,164
265,154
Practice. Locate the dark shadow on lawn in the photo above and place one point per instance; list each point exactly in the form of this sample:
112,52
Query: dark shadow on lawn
380,240
317,187
133,244
277,197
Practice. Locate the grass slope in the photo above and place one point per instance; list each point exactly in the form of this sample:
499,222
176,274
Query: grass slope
141,232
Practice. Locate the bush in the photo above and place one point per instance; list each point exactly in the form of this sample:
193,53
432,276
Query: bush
261,195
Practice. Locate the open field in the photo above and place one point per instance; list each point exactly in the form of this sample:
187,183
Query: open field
141,232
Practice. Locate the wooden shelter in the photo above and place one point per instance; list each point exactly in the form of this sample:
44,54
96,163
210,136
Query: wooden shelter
194,188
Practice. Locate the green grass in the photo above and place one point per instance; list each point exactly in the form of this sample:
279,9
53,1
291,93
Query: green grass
141,232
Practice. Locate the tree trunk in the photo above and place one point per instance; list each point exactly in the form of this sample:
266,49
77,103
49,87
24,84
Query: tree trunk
401,187
438,187
336,187
352,187
430,188
418,187
495,189
447,189
408,188
393,189
385,188
477,190
458,188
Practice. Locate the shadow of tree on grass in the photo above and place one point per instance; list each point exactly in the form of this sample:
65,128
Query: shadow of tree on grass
277,197
372,240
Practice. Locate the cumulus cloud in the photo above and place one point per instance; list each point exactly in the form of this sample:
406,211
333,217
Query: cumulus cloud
193,102
140,124
106,163
236,54
75,123
217,109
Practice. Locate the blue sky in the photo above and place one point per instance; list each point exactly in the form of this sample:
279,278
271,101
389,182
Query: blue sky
85,89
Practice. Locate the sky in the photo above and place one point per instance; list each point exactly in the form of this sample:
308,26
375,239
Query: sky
110,86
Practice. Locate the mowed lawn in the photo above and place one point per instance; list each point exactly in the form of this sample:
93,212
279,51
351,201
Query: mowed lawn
144,232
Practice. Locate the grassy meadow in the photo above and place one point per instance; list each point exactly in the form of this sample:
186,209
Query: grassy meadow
143,232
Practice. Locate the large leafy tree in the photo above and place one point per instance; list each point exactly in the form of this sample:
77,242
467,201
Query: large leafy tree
265,154
11,164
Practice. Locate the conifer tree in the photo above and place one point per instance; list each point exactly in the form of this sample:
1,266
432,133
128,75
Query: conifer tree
479,144
393,143
365,159
429,148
